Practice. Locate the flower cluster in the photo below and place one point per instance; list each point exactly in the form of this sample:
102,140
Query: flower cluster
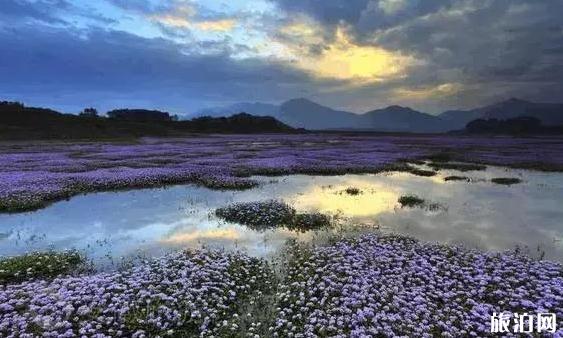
186,294
271,214
384,286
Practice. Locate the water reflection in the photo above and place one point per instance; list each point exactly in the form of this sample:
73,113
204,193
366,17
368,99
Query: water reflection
373,198
150,222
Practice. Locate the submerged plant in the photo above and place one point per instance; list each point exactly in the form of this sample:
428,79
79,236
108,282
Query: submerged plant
411,201
353,191
457,178
506,180
422,172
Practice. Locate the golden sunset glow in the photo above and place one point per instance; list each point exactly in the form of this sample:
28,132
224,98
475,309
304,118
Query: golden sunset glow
216,25
373,200
185,17
211,234
343,59
427,92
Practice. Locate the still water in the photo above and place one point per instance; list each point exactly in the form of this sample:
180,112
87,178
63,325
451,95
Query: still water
479,214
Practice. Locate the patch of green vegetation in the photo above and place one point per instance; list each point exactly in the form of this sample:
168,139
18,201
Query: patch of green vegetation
411,201
457,178
506,180
40,265
457,166
353,191
422,172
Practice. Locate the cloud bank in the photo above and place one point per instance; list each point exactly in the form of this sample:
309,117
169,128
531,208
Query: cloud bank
181,55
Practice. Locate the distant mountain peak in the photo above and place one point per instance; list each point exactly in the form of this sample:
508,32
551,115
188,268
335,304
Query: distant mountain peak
301,101
516,100
398,108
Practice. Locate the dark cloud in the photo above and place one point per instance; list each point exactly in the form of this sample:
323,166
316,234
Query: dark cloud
490,50
503,41
42,10
330,12
109,65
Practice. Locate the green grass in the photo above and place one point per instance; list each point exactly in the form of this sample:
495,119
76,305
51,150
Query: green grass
422,172
43,265
353,191
411,201
506,180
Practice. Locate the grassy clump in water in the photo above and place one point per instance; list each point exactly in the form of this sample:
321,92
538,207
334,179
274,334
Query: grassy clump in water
411,201
271,214
457,178
506,180
422,172
42,265
353,191
457,166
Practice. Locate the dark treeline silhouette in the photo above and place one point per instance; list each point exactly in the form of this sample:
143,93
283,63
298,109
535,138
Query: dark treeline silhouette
27,123
141,115
515,126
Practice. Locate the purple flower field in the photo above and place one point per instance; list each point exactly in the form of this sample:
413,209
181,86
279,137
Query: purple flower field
33,174
371,286
367,286
393,286
180,295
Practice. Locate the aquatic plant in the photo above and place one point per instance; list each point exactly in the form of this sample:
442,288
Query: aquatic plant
457,178
353,191
390,286
271,214
411,201
188,294
506,180
36,265
422,172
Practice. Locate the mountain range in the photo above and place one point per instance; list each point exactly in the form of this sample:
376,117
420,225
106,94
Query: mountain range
304,113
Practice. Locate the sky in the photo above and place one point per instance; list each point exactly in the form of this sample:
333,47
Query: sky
184,55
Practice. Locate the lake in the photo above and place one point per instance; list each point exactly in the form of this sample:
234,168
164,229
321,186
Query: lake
109,226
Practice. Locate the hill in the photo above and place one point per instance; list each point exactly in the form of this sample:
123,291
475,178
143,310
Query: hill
26,123
403,119
307,114
522,125
256,108
304,113
550,114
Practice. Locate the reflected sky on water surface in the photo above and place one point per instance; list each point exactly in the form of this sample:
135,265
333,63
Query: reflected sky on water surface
478,214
